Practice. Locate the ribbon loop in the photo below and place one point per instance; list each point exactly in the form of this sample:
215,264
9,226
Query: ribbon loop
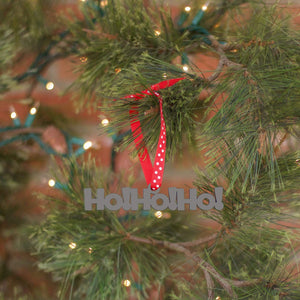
153,174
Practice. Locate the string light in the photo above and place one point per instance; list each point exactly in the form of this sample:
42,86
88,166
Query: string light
105,122
83,59
204,7
51,182
31,116
164,75
157,32
90,250
13,115
104,3
126,282
87,145
49,85
118,70
185,68
187,8
218,298
158,214
33,111
72,245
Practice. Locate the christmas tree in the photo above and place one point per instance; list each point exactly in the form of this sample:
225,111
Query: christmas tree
208,91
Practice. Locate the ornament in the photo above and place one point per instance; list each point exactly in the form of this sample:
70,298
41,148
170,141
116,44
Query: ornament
153,174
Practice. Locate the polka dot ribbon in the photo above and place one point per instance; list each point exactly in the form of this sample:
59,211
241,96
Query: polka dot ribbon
153,174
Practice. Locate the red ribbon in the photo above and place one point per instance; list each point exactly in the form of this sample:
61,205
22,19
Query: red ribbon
153,174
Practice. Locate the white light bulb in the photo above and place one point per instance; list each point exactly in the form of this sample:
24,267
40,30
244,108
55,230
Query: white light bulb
51,182
105,122
87,145
33,111
187,8
126,282
204,7
104,3
72,245
158,214
185,68
13,115
157,32
49,85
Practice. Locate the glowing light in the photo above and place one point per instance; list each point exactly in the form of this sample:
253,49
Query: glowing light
82,0
90,250
187,8
185,68
157,32
164,75
33,111
234,50
118,70
49,85
83,59
105,122
87,145
204,7
51,182
103,3
218,298
13,115
158,214
126,282
72,245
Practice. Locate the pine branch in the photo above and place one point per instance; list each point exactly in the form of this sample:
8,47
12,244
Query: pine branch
210,285
225,283
200,241
224,61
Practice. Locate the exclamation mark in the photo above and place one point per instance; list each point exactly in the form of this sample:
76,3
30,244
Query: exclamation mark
126,198
219,198
172,198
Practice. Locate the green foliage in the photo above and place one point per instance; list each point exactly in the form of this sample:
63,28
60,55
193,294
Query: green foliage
98,273
118,39
28,21
256,244
261,99
182,108
244,140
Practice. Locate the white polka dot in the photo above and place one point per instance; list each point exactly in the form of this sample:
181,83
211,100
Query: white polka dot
157,185
160,168
155,172
161,136
163,142
160,146
157,163
162,150
159,154
158,177
161,159
154,181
